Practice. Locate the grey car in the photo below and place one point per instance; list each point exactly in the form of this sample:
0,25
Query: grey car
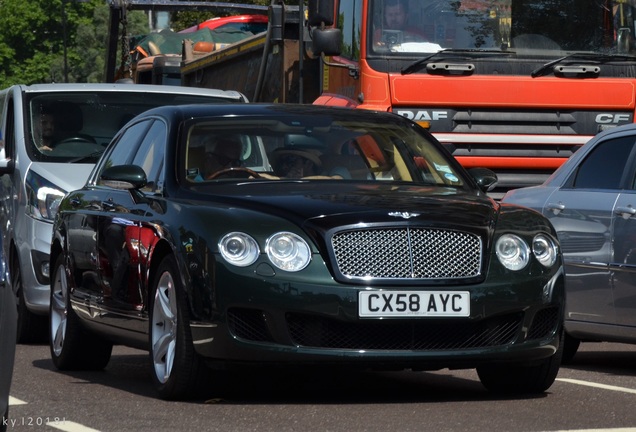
591,202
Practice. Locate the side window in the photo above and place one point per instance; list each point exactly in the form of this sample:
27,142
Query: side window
349,21
8,135
121,153
604,166
150,156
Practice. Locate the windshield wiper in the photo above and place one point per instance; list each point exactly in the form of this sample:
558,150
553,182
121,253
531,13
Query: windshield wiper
601,58
414,66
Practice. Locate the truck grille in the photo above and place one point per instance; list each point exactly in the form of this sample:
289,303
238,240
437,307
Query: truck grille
407,253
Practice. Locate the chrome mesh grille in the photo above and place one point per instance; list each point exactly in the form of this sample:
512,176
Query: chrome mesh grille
407,253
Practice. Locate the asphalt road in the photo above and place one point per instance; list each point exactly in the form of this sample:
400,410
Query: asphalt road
596,392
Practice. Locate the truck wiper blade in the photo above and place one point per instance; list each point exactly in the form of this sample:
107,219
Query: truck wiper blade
601,58
414,66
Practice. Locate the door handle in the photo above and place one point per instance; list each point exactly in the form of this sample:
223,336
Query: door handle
555,208
625,212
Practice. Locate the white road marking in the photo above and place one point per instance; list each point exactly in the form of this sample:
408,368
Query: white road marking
14,401
599,430
601,386
63,425
69,426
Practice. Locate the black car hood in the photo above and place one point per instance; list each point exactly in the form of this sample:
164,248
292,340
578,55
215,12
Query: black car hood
325,206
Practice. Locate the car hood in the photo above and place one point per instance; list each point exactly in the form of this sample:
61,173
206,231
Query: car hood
323,206
65,176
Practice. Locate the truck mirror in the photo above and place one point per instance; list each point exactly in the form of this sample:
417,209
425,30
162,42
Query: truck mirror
326,41
320,12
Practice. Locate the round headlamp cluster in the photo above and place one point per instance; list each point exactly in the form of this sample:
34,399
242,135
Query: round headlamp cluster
239,249
287,251
514,253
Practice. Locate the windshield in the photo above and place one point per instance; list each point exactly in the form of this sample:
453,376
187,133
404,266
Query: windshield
334,150
77,126
548,28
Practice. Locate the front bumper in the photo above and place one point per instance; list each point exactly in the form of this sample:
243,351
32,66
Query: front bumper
34,266
321,325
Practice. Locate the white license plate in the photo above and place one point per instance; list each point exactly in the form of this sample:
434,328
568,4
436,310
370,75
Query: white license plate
377,304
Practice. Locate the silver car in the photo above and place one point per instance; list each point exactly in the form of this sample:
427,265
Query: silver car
591,201
53,135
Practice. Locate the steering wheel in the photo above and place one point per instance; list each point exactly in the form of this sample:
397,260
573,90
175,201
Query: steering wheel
77,138
238,172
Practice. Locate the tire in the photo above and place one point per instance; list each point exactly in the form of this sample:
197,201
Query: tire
570,347
177,370
513,378
31,327
72,348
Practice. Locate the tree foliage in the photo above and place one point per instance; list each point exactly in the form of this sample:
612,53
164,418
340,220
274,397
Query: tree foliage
33,35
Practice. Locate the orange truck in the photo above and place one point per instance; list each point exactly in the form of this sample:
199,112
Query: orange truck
512,85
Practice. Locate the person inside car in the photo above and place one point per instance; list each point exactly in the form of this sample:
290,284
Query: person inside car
295,163
44,129
225,154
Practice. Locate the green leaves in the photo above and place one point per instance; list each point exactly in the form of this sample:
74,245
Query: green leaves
32,39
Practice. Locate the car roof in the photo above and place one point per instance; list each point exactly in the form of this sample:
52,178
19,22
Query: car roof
136,88
268,109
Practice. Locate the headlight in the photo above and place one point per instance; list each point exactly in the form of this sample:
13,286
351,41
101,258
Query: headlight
512,252
43,197
288,251
544,249
239,249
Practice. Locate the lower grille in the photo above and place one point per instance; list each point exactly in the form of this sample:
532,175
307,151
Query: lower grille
418,335
544,323
421,335
248,324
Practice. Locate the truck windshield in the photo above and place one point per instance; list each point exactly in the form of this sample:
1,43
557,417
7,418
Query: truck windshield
529,28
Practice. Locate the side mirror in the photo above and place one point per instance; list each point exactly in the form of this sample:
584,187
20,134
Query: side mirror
7,166
320,12
486,179
326,41
124,177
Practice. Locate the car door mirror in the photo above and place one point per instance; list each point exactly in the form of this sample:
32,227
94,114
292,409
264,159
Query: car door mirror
486,179
124,177
7,166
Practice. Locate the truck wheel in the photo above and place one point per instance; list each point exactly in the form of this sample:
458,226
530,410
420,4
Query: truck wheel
72,348
177,370
31,327
516,378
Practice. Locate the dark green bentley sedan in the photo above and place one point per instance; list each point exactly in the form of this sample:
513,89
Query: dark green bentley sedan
276,235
